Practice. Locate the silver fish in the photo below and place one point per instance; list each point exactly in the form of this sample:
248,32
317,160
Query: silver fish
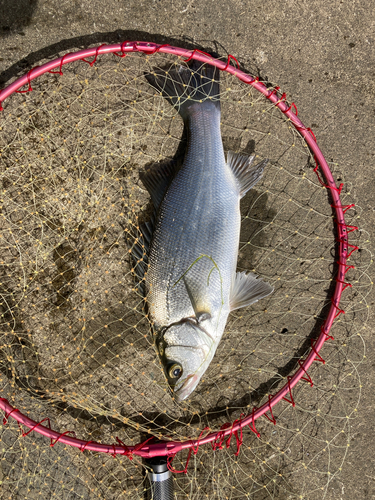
187,255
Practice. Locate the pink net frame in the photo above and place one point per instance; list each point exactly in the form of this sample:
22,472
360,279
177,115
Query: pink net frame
345,249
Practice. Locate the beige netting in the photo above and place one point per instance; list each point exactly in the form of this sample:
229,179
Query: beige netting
74,339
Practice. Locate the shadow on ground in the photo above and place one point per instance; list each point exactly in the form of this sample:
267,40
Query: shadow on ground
15,14
82,42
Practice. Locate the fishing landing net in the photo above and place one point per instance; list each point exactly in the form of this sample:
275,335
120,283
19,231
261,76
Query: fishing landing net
84,395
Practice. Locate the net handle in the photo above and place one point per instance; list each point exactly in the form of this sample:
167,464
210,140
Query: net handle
171,448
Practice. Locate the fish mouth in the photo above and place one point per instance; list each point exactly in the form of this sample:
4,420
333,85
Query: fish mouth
187,388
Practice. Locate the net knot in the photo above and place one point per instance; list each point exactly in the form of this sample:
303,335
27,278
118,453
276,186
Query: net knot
37,425
91,63
59,71
291,400
308,129
129,452
60,436
252,424
318,356
332,188
198,442
197,51
339,310
193,449
176,471
290,107
172,469
344,241
123,53
28,76
271,418
307,378
282,99
272,92
345,265
346,226
239,438
7,415
220,437
228,62
345,283
82,449
156,49
327,337
344,208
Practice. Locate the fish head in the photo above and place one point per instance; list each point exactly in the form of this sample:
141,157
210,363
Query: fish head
186,350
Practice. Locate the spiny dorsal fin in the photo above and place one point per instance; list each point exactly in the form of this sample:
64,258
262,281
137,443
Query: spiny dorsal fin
247,289
246,173
156,180
139,253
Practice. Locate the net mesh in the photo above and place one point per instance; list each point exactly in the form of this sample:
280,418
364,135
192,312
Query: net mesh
75,344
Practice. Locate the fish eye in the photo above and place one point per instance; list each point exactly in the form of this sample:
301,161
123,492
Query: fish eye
175,371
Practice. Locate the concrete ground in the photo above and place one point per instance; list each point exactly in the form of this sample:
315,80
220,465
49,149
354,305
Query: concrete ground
321,53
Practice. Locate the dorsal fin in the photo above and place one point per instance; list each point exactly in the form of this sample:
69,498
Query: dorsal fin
140,251
156,180
246,173
247,289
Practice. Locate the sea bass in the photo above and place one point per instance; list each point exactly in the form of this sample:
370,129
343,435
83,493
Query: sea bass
187,255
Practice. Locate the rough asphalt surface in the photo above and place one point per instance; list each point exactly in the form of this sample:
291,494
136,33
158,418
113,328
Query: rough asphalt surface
321,53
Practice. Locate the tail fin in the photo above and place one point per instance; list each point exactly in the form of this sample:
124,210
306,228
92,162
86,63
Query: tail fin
183,86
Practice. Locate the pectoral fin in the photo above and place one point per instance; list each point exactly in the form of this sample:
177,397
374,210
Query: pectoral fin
198,298
247,289
247,174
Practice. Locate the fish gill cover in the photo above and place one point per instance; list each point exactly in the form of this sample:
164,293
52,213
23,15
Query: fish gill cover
75,343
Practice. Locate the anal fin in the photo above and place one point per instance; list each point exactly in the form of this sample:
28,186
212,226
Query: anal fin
247,289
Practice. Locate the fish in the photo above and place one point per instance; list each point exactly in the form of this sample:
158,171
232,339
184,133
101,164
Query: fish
186,255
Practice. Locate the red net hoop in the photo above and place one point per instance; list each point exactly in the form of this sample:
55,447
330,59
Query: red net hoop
147,449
